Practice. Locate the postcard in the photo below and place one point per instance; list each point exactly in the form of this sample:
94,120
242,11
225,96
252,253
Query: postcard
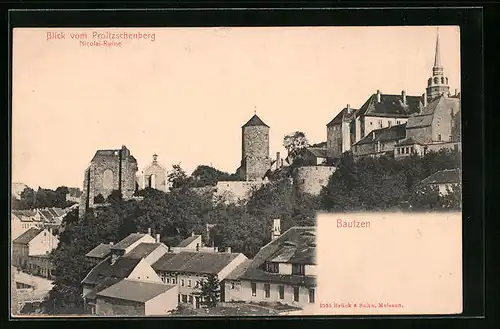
236,171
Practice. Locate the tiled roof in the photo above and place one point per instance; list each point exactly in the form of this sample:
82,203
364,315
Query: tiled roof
239,270
343,115
143,250
451,176
120,269
59,212
424,119
100,251
133,290
255,121
296,245
166,260
25,213
27,236
299,236
410,141
186,242
390,105
128,241
392,133
317,152
195,262
106,282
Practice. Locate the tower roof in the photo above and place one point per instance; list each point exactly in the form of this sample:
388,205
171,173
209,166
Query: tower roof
437,55
255,121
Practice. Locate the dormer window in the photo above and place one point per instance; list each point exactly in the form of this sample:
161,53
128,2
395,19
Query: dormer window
298,269
272,267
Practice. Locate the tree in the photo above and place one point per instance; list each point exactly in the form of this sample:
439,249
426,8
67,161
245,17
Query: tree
115,196
294,143
452,199
205,175
209,291
178,177
28,198
425,198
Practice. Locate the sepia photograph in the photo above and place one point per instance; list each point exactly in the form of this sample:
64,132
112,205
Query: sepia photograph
236,171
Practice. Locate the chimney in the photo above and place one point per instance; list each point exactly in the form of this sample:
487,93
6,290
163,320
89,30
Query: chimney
278,161
424,96
348,108
403,95
111,243
378,96
149,230
192,233
228,249
157,238
456,92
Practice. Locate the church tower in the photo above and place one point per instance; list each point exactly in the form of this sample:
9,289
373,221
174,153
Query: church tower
255,161
438,83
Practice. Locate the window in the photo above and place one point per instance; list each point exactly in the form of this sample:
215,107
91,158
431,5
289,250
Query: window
272,267
168,280
412,150
173,281
399,151
190,299
371,123
232,285
184,298
311,295
282,292
298,269
182,282
389,124
380,123
189,283
254,289
295,294
398,122
267,289
439,137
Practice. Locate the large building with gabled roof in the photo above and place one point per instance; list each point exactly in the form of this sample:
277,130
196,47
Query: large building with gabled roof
432,121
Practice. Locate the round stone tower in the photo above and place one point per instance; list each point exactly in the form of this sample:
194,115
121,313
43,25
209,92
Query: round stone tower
255,161
438,83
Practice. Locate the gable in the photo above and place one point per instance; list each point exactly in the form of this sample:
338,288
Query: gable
143,271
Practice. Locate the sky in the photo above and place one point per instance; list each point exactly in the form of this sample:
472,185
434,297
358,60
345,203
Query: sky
185,95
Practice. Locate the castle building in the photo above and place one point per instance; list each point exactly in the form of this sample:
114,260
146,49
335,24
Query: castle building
153,176
255,161
399,124
109,170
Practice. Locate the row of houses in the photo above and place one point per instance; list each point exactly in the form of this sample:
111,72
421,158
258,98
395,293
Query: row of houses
139,275
31,251
23,220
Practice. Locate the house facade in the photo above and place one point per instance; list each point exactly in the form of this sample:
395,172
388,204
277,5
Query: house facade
33,242
284,271
188,269
130,297
153,176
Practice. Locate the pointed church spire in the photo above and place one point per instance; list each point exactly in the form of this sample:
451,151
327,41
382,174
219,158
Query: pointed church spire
437,56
